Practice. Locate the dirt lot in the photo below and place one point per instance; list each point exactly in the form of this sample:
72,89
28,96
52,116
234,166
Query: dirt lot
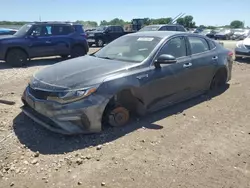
201,143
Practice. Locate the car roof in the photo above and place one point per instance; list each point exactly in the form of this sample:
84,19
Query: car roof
162,34
54,23
160,25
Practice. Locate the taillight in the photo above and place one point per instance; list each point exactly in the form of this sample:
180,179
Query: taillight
230,54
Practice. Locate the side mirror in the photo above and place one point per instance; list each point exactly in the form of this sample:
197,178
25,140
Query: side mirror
165,59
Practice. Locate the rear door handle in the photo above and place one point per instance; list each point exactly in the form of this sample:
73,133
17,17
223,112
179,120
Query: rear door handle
215,58
187,65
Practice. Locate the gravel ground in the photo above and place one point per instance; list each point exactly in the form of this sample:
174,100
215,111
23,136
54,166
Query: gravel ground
203,142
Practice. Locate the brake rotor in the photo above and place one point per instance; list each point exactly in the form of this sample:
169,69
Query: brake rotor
118,117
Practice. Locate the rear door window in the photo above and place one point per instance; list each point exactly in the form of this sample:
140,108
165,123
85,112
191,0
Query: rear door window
198,45
211,44
170,28
179,28
61,30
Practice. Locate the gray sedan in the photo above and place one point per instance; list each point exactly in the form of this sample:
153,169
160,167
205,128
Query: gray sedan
137,74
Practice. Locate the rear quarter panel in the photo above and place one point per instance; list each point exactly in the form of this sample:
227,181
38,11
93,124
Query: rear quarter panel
224,60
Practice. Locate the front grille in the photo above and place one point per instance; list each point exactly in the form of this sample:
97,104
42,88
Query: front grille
39,94
247,46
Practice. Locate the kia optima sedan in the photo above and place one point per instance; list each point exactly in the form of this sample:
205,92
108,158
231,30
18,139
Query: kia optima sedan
137,74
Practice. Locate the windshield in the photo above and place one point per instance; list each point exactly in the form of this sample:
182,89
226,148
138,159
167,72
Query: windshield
23,30
129,48
150,28
101,28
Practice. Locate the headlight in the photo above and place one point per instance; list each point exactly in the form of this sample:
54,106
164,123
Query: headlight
240,44
72,96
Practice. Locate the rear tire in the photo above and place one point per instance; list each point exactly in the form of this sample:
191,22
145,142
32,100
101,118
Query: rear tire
219,80
99,43
16,57
77,51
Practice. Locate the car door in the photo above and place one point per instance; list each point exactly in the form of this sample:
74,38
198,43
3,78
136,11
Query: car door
119,31
170,83
109,34
203,62
39,42
60,39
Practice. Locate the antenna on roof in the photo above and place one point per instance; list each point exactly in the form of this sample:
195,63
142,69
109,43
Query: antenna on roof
40,18
177,17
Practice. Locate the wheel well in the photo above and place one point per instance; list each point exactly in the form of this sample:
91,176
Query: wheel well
126,99
81,45
12,48
222,72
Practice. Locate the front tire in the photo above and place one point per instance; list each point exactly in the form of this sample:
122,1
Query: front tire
77,51
16,57
118,117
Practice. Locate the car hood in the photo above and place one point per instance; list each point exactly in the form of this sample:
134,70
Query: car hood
6,36
246,41
77,73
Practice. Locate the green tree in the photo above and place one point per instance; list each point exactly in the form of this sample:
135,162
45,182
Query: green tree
186,21
180,21
87,24
237,24
160,21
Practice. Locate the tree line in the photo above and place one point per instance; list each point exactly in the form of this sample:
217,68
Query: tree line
187,21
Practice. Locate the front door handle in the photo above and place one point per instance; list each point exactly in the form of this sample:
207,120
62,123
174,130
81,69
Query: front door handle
186,65
48,42
215,58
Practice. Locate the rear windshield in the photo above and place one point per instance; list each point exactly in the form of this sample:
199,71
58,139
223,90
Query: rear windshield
150,28
79,28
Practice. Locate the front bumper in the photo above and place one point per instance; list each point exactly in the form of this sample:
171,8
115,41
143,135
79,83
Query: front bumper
242,52
81,117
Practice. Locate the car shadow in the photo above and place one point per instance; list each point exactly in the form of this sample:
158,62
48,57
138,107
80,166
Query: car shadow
35,62
37,138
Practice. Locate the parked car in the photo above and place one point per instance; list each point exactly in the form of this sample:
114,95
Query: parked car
198,30
40,39
105,34
224,34
240,34
137,73
242,49
208,32
165,27
7,31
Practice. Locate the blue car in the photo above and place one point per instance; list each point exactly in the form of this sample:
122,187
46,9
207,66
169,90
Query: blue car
41,39
7,31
